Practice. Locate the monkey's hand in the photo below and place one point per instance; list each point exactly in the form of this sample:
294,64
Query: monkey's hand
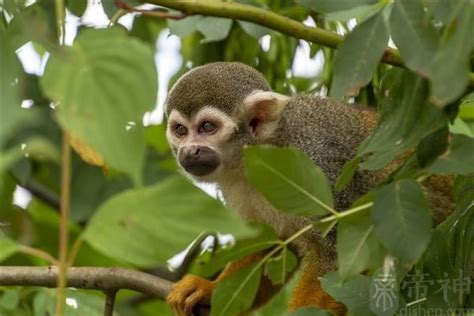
188,293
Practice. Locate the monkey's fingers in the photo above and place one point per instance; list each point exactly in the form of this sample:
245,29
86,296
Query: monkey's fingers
188,293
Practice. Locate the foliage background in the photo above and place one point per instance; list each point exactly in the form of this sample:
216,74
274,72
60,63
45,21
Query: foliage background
128,206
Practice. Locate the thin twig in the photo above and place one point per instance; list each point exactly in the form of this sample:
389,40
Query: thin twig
74,250
39,253
92,278
109,303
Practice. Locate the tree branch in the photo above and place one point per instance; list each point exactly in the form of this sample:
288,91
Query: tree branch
106,280
285,25
269,19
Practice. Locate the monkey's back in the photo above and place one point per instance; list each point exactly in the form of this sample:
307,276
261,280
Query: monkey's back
329,133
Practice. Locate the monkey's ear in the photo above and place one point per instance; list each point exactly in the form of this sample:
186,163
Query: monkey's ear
262,110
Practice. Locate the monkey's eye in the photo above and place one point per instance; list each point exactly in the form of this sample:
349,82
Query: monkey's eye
181,130
207,127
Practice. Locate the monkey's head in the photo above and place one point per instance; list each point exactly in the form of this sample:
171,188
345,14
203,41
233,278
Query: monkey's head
214,111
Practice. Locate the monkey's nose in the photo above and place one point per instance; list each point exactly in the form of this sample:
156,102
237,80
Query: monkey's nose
198,160
194,151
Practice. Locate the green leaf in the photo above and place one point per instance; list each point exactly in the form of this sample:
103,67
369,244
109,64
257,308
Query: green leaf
103,85
77,7
288,179
8,247
358,56
357,247
402,219
466,109
414,35
459,126
361,13
449,71
236,293
149,225
185,26
347,173
37,148
458,157
12,114
355,293
214,29
437,258
253,29
277,269
155,135
9,299
432,146
326,6
36,22
406,118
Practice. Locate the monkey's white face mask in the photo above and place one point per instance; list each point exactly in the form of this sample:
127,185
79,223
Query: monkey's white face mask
207,145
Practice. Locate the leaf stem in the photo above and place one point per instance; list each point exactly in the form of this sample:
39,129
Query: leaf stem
60,20
39,254
64,220
347,213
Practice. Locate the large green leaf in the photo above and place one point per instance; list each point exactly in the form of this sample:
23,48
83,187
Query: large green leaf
414,35
458,157
449,71
357,247
235,294
402,219
37,23
358,56
326,6
103,85
289,180
147,226
12,115
355,293
406,118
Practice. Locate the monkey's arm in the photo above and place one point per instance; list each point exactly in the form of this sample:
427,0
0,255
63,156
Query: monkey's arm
194,291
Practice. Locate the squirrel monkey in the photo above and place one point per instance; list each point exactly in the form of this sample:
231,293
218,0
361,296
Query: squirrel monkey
213,112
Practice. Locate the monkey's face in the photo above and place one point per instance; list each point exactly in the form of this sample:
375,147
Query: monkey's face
201,143
213,112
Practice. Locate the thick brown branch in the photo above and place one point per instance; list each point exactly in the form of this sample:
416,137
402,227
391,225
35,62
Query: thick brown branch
103,279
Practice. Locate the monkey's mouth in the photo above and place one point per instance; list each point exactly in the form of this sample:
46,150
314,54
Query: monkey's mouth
200,168
199,161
